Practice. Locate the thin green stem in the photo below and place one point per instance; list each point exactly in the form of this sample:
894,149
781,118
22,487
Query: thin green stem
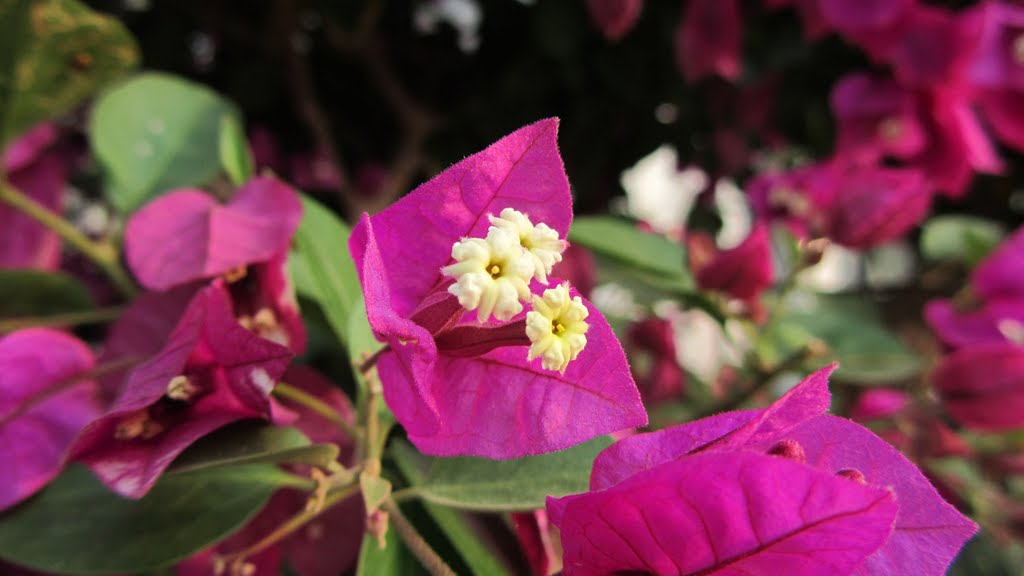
103,254
288,392
416,544
95,316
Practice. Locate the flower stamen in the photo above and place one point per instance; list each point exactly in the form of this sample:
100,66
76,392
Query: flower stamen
556,328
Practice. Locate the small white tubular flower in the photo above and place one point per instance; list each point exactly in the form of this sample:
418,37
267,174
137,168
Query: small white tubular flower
541,242
557,328
492,275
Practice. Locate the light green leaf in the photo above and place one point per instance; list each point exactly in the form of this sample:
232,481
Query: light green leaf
621,240
235,157
502,485
375,491
78,526
960,238
37,293
154,133
393,560
53,55
322,267
253,443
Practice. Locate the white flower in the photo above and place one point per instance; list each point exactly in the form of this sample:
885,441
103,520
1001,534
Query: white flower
542,245
557,328
491,275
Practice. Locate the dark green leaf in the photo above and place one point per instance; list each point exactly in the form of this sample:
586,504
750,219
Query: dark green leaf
253,443
53,55
856,337
235,157
78,526
502,485
38,293
621,240
322,267
154,133
456,525
961,238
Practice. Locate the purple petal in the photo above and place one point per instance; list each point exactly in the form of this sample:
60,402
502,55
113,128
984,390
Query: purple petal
415,235
241,369
928,531
876,115
186,235
851,16
742,272
982,386
43,407
500,406
876,205
736,513
879,403
1000,274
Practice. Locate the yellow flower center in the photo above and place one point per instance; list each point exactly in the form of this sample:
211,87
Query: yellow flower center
181,388
556,328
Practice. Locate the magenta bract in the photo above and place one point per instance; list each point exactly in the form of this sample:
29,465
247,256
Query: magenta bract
493,403
46,399
615,18
982,386
742,272
187,235
708,40
39,172
809,448
210,372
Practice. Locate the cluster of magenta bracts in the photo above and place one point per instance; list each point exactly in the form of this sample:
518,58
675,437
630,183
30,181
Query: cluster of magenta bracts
922,122
784,488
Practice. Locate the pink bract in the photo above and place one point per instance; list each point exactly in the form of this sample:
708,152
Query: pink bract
232,372
46,398
743,272
708,40
926,535
615,18
982,386
187,235
39,172
492,403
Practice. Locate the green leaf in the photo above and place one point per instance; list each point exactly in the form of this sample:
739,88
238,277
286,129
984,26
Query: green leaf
375,491
856,337
253,443
53,55
394,560
235,157
621,240
456,525
77,525
154,133
960,238
36,293
472,483
322,266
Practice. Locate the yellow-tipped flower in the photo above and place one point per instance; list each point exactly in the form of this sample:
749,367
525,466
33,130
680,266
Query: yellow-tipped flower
557,328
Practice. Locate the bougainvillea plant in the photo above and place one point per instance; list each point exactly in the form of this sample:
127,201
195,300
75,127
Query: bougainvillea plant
266,312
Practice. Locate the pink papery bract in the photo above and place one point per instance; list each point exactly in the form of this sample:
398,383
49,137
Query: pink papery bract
992,321
1001,275
928,532
187,235
36,170
743,272
708,40
45,401
615,18
232,371
493,404
725,513
982,386
874,205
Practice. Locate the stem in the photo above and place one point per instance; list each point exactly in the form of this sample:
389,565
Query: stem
371,360
96,316
373,448
291,525
416,544
764,377
101,253
301,397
